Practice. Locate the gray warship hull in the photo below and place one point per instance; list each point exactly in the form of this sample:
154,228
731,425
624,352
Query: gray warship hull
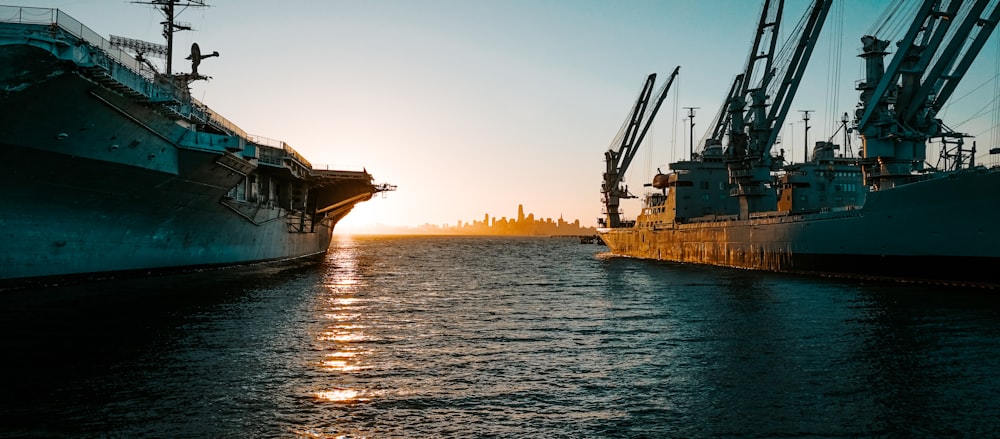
941,231
105,173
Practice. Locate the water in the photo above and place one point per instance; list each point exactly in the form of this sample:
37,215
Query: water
497,337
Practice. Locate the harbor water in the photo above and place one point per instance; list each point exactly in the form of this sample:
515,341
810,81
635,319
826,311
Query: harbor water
426,337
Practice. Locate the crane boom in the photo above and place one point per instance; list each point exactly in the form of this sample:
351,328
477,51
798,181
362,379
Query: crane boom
623,149
721,123
940,84
899,103
759,63
767,32
888,77
624,146
661,96
755,117
786,91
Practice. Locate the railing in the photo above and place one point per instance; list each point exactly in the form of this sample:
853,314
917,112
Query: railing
28,15
218,120
339,167
278,144
49,16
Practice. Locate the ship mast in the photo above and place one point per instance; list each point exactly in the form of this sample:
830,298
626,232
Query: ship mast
169,8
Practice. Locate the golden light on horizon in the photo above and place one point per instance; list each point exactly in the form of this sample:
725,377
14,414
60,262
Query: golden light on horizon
362,217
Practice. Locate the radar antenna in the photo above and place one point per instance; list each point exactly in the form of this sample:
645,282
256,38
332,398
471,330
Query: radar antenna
169,8
196,58
142,49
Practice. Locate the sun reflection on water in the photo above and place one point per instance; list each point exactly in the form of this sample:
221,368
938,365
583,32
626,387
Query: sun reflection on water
344,354
344,331
341,366
341,336
339,395
341,316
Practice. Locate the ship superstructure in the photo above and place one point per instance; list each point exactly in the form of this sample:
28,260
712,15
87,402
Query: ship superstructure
886,214
111,166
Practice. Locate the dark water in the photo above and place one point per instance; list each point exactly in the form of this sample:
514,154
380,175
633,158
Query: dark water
497,337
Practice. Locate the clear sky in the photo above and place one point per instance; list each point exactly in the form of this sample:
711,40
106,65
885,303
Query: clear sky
474,106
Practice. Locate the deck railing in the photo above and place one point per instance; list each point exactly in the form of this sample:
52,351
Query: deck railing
48,16
154,91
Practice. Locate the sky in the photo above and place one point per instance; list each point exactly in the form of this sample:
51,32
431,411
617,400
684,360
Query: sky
473,107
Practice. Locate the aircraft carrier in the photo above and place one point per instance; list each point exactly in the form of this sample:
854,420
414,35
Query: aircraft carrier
111,167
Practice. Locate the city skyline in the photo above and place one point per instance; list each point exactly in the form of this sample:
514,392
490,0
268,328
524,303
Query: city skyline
523,225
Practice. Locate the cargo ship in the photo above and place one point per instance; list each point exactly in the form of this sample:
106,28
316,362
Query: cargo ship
111,167
886,214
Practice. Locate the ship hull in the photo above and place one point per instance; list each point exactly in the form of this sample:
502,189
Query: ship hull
939,231
58,220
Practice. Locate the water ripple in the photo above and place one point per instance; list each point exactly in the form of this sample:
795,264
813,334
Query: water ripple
499,337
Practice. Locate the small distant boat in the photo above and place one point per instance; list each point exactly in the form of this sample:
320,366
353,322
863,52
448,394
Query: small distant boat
591,239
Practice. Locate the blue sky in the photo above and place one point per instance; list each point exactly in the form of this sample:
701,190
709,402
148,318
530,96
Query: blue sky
474,107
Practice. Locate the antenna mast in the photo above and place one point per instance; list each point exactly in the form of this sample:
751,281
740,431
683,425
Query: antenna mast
691,128
805,118
169,10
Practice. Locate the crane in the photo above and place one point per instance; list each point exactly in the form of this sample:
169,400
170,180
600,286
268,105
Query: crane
760,61
619,155
899,102
752,122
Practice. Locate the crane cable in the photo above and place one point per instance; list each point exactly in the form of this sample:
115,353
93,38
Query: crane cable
647,159
994,130
834,69
888,15
673,127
